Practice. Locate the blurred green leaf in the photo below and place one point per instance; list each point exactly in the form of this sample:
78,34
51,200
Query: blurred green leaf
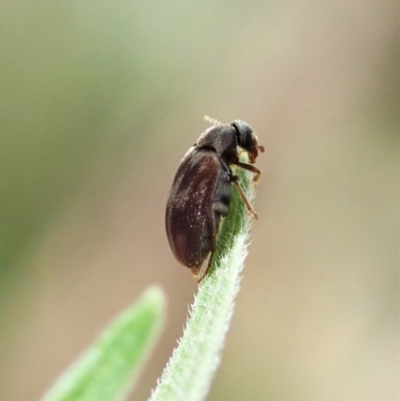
108,370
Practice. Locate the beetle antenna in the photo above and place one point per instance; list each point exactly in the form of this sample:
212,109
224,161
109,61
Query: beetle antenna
212,121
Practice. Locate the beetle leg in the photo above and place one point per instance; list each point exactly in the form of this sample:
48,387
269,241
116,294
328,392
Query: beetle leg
221,208
214,234
235,180
251,168
208,268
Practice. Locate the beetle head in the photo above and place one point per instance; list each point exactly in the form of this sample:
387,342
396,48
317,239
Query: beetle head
247,139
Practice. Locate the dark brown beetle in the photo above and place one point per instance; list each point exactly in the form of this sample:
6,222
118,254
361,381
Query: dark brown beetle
202,190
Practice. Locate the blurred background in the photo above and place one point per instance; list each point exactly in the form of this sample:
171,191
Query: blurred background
99,103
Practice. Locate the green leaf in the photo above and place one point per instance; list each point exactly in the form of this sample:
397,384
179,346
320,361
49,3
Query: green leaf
189,373
109,368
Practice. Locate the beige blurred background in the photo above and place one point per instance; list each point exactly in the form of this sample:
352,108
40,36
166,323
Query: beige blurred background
100,101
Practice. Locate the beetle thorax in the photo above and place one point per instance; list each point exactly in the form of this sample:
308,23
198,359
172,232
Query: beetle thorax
222,138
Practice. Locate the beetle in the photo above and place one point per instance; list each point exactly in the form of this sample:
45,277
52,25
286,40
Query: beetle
202,190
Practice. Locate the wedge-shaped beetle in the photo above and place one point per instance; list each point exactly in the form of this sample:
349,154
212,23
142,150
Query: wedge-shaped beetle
202,190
